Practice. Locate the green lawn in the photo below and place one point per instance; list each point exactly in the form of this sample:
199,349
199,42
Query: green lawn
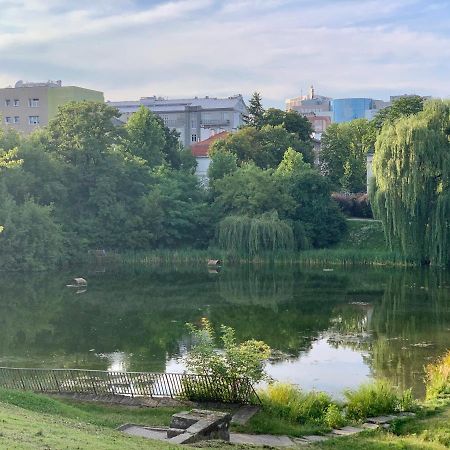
89,412
24,429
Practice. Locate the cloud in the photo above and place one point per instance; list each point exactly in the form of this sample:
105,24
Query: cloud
210,47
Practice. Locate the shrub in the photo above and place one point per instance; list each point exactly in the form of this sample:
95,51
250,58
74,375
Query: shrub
374,399
244,360
438,378
334,418
354,205
286,401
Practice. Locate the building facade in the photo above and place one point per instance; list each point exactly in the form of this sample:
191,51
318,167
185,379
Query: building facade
27,106
195,119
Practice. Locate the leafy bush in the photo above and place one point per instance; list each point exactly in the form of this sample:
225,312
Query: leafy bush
287,401
237,365
334,418
438,378
374,399
354,205
244,360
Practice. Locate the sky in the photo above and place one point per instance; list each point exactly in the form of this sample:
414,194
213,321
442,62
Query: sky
181,48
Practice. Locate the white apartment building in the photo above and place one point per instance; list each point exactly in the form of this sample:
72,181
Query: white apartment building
195,119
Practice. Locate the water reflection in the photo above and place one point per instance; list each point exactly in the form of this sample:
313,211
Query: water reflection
329,330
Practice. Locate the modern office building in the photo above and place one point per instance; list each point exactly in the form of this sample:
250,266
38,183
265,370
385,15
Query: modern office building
347,109
195,119
27,106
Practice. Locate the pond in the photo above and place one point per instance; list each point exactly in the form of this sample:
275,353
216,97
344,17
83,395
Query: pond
329,329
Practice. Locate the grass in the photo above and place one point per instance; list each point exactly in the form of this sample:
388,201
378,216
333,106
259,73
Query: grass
376,399
438,378
264,422
24,429
93,413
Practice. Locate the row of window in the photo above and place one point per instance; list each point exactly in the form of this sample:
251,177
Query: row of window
32,102
32,120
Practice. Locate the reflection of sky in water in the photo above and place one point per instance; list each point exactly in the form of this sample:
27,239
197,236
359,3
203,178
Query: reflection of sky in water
323,368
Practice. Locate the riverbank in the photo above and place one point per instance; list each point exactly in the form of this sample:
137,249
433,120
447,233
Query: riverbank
35,421
363,244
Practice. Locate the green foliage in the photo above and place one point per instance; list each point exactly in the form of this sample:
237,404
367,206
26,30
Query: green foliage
242,235
145,137
343,154
412,184
292,121
251,191
401,107
334,417
255,111
30,239
438,378
222,163
375,399
237,360
264,146
287,401
317,219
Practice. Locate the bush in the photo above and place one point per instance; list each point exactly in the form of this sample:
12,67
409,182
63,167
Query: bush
354,205
334,418
244,360
375,399
438,378
286,401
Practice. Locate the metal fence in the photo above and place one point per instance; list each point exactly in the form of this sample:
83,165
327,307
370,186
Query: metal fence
133,384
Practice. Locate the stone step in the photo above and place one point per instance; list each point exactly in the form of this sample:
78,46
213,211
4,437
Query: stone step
347,431
244,414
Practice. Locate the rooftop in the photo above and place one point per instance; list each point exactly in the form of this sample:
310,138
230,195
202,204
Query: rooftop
201,149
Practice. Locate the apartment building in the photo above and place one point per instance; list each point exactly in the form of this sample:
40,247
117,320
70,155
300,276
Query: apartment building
29,105
195,119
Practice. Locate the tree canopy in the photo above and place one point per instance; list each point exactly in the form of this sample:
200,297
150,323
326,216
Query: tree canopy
343,154
411,194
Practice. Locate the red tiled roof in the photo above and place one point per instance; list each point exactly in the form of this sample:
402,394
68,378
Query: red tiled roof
201,148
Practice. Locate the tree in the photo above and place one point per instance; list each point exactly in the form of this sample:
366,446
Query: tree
412,184
250,191
404,106
254,118
252,236
316,219
291,121
264,147
344,154
222,163
145,137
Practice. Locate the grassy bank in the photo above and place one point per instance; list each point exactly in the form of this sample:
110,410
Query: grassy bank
21,428
31,421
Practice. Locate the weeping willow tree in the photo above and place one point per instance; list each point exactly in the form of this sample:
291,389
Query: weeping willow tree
411,193
252,236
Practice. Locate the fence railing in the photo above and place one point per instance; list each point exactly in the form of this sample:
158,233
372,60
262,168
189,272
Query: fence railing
133,384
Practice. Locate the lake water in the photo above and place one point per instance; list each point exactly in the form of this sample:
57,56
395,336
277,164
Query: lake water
329,329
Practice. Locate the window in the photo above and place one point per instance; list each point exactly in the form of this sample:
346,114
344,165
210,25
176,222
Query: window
16,119
7,102
8,120
193,124
33,102
194,138
33,120
16,102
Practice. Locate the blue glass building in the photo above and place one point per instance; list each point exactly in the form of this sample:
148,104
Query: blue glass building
346,109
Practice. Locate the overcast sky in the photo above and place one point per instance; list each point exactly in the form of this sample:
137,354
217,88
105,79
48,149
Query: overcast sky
134,48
